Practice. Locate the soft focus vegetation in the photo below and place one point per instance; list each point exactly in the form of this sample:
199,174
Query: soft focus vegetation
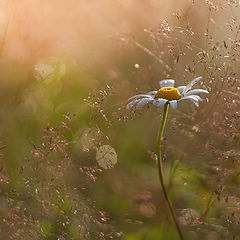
74,163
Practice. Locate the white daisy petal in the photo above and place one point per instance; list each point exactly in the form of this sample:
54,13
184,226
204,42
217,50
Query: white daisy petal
131,104
190,85
196,104
192,98
181,88
159,102
195,96
196,91
140,96
173,104
167,83
152,93
143,102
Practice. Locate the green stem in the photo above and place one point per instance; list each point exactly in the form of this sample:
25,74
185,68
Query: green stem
160,170
209,205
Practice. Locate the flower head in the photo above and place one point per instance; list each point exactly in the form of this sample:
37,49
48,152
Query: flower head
168,94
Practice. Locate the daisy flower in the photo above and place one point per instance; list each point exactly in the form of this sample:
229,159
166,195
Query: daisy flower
168,94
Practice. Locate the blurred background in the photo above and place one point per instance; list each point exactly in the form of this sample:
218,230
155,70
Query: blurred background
75,164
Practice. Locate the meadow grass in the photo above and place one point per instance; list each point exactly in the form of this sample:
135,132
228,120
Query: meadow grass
76,164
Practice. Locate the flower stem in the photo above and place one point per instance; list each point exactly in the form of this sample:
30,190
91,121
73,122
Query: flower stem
160,170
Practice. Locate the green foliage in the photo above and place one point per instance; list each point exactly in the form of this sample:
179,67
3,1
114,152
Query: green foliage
160,232
61,114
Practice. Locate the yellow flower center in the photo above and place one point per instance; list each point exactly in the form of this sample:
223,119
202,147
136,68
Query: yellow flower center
169,93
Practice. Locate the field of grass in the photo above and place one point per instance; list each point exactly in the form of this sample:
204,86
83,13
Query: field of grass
75,163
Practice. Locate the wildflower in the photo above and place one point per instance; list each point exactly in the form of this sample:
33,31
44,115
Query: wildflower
168,94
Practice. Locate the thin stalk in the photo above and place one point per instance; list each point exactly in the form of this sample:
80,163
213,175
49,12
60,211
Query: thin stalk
160,170
209,205
208,24
207,41
225,75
